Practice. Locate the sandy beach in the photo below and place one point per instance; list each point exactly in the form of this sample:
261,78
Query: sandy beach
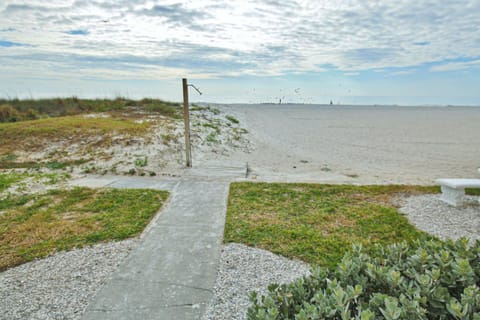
358,144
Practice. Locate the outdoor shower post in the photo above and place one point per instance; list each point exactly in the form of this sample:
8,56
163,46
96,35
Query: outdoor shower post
186,119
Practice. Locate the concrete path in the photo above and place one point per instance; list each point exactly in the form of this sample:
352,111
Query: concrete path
171,273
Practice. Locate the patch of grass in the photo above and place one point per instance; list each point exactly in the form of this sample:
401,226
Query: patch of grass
53,165
141,162
194,108
168,138
317,223
213,125
215,111
169,109
27,134
34,226
212,137
473,192
8,179
240,130
232,119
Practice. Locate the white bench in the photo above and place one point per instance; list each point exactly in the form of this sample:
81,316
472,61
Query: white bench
453,190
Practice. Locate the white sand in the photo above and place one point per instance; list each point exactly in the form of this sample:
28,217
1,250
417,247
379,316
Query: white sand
359,144
308,143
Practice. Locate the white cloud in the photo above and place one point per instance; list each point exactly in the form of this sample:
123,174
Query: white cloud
215,38
452,66
403,72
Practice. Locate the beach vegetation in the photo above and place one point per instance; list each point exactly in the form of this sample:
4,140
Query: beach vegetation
12,110
421,280
17,179
232,119
29,135
212,137
215,125
318,223
35,225
195,108
215,111
7,179
141,162
168,138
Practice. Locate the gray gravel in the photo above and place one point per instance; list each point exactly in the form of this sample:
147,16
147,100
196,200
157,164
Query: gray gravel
60,286
244,269
429,213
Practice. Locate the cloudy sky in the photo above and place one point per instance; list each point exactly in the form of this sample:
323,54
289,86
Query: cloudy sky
313,51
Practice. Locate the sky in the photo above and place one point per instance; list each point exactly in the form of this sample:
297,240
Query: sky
407,52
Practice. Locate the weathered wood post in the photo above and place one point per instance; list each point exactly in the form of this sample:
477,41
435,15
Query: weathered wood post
186,120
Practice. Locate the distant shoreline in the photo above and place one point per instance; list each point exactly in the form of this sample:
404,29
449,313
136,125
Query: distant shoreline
337,105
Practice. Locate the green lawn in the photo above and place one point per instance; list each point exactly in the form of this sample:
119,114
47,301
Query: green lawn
36,225
317,223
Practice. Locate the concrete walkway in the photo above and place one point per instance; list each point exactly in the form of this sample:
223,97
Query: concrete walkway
171,273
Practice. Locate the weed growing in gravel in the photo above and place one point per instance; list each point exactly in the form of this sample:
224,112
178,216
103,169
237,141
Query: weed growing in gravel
141,162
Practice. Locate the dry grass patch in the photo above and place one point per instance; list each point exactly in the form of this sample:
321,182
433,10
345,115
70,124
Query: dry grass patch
317,223
34,226
33,135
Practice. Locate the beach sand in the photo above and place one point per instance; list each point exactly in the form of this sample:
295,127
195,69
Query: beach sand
358,144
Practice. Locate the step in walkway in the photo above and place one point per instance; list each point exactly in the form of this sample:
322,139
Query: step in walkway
172,271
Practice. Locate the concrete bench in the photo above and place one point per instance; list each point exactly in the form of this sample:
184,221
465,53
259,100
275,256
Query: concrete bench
453,190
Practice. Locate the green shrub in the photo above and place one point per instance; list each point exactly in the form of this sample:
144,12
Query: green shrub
31,114
168,109
8,113
425,280
12,110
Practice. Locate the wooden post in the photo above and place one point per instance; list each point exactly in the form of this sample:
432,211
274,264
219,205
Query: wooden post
186,119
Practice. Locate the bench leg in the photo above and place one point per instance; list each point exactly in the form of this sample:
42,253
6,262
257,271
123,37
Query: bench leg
453,196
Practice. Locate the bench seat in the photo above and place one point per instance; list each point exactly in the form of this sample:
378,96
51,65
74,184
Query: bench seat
453,190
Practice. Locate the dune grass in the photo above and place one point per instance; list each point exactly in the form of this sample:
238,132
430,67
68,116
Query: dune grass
36,225
8,179
31,135
21,180
317,223
13,110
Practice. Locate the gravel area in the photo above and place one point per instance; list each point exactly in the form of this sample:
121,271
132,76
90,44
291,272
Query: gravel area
62,285
244,269
429,213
